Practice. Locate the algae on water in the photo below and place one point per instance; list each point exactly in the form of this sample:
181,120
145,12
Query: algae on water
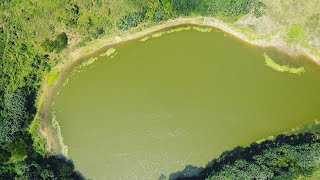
202,29
178,29
57,127
282,68
145,38
109,52
88,62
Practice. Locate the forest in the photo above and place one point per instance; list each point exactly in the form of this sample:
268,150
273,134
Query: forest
36,35
285,157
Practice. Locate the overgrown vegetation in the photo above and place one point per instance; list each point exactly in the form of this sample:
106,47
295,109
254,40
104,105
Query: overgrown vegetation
130,20
286,157
159,10
57,44
18,160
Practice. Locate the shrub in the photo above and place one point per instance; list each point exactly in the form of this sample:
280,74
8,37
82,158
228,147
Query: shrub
130,20
58,44
12,115
184,7
234,9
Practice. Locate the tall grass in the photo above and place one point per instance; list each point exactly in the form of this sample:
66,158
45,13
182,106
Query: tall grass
52,77
38,139
296,34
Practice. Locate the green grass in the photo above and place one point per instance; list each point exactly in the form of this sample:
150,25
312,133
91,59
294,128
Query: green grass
52,77
296,34
38,140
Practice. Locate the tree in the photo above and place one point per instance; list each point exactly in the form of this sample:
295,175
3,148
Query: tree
130,20
58,44
286,157
184,7
12,116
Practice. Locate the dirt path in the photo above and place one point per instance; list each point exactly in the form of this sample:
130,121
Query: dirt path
47,93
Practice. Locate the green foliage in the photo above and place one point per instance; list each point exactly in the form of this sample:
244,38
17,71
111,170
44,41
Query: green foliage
184,7
71,14
58,44
130,20
282,162
24,163
52,77
158,11
235,9
12,116
259,9
286,157
38,140
243,169
2,42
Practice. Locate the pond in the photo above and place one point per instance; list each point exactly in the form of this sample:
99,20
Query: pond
153,107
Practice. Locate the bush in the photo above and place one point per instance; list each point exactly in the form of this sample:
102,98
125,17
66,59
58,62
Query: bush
58,44
184,7
130,20
296,34
259,9
12,115
24,163
234,9
2,42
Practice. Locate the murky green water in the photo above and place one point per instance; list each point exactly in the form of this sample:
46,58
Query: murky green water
180,99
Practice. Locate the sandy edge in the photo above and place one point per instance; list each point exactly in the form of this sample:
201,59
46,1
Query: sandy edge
46,93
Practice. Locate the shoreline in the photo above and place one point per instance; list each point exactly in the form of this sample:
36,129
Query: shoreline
47,92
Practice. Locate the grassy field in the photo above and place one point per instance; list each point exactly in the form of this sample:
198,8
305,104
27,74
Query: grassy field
294,22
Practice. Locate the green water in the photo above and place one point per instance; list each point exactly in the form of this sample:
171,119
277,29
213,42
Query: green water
179,99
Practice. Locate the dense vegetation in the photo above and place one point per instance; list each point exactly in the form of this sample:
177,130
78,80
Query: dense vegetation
36,35
286,157
18,160
158,10
57,44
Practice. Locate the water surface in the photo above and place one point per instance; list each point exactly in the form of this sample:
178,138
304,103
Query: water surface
179,99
